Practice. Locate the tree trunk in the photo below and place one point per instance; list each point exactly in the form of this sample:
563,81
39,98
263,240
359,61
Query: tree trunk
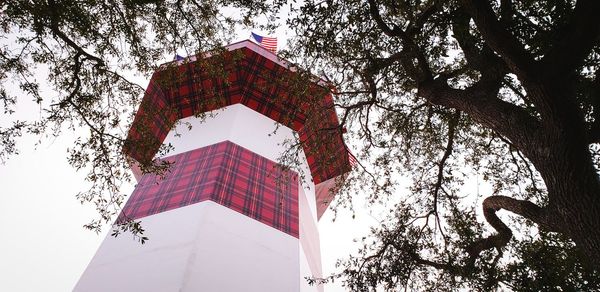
565,164
574,193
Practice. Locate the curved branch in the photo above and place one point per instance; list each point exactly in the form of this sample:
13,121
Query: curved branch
541,216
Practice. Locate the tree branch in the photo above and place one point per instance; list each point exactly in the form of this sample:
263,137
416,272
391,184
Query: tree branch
54,27
506,11
410,50
452,124
500,39
480,104
530,172
541,216
575,41
480,59
421,261
421,19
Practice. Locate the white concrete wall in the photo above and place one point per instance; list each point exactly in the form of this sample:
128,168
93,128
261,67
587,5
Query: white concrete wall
310,244
306,272
309,237
261,135
200,247
242,126
208,247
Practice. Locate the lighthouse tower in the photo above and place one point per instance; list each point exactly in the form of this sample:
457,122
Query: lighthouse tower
226,216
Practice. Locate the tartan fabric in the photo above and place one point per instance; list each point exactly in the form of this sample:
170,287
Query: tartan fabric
153,121
241,76
227,174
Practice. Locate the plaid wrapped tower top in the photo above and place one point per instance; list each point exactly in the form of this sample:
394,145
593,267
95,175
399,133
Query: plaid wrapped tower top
226,209
267,85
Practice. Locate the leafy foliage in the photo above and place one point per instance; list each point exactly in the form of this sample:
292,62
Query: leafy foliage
446,92
441,92
90,51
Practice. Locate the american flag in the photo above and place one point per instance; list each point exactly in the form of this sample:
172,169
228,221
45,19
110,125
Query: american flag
268,43
351,158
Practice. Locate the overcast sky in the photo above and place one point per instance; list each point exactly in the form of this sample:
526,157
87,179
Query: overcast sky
43,246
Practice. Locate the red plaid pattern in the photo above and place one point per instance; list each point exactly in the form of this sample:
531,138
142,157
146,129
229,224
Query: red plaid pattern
241,76
227,174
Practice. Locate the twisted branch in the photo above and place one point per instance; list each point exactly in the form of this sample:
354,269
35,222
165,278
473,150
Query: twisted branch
539,215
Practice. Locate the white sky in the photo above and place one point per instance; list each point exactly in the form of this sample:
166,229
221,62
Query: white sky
43,245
